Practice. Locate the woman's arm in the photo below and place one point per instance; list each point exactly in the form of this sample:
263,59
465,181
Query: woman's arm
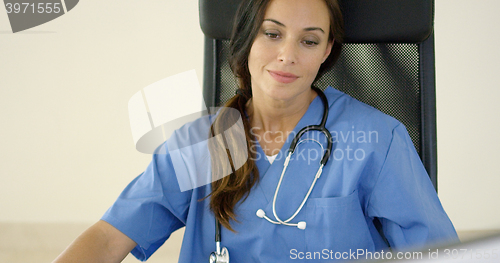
405,201
100,243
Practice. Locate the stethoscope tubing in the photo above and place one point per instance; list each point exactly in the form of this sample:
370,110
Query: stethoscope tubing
321,128
316,177
295,142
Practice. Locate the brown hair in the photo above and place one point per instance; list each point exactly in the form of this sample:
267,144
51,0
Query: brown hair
229,190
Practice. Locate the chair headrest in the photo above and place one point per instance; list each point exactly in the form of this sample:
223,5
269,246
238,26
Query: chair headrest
366,21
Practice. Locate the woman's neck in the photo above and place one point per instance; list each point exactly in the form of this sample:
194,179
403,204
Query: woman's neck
273,120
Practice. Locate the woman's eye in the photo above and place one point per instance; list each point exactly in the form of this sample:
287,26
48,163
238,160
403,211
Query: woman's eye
310,43
272,35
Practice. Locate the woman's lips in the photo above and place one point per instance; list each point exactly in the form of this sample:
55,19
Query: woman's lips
283,77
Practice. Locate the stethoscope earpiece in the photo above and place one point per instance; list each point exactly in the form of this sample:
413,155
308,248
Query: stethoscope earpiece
300,225
260,213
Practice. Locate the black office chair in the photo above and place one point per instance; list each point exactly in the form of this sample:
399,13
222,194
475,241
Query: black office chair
387,61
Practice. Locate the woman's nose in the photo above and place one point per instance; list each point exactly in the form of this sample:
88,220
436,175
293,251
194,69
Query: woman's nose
288,53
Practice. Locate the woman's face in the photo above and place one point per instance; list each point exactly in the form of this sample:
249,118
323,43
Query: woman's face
289,48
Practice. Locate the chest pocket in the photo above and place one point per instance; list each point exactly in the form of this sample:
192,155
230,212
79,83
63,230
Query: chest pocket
337,224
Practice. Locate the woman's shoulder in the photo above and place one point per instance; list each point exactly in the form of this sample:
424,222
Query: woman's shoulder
350,112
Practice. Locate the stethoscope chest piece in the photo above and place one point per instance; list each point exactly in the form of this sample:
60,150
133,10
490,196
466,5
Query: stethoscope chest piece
219,255
223,257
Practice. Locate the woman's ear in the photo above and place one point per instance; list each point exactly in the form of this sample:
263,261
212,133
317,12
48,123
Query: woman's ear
328,49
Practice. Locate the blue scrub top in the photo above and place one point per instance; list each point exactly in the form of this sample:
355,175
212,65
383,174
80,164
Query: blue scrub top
374,180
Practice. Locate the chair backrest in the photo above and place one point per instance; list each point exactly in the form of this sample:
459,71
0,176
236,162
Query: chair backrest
387,61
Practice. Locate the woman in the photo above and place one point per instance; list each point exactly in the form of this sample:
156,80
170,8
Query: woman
373,192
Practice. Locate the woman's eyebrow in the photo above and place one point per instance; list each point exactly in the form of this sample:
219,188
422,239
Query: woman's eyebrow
314,28
305,29
274,21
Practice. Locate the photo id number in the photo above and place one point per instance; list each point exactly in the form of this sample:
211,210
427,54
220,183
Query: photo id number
471,253
33,8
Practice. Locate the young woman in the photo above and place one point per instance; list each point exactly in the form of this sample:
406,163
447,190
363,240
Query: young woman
373,192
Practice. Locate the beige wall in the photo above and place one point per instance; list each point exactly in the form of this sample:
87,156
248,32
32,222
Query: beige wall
67,150
468,65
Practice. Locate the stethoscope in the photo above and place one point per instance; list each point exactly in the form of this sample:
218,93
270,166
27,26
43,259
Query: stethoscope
222,255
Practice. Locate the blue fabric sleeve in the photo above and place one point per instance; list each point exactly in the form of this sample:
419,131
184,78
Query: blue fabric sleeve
151,207
405,201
